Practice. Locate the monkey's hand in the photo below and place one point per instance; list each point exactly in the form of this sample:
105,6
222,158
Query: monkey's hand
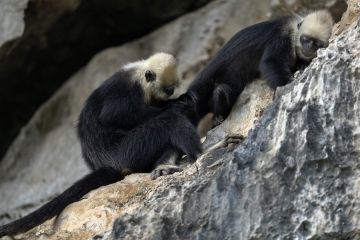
164,169
184,136
184,101
186,105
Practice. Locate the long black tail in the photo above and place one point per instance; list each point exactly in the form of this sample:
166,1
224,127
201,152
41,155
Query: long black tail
98,178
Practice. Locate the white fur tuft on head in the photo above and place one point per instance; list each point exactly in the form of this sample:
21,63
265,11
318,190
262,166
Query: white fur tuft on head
161,59
318,25
163,66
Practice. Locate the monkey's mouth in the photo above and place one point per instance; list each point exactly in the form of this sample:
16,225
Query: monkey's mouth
307,54
302,53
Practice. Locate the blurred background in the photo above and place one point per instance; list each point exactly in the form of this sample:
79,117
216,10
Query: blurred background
53,53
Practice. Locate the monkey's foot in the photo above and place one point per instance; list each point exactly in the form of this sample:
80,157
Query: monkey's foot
163,170
232,140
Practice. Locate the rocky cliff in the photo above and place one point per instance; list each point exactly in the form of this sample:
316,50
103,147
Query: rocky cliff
295,176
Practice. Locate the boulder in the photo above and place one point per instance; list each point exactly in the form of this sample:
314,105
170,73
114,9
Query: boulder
296,176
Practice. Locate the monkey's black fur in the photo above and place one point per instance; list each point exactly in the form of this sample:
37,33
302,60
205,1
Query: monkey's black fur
265,49
120,134
129,134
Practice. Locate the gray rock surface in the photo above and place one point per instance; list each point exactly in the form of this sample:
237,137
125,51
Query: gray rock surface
11,19
295,177
45,158
336,7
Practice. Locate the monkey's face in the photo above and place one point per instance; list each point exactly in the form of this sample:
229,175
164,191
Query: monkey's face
161,87
313,33
309,46
161,76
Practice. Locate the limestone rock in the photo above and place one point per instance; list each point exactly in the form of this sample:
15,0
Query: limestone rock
336,7
295,177
249,107
349,16
11,19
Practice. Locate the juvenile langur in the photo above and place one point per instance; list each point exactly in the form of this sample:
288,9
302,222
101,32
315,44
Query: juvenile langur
273,50
123,130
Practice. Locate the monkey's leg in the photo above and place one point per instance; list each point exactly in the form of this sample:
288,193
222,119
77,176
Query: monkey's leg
273,67
166,164
224,97
185,138
140,148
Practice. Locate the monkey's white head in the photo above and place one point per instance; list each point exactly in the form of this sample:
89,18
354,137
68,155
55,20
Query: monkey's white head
314,32
157,75
161,76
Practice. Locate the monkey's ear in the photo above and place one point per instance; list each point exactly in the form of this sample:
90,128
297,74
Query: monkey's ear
150,76
299,25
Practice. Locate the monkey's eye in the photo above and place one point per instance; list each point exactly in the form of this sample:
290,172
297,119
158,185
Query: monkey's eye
299,25
150,76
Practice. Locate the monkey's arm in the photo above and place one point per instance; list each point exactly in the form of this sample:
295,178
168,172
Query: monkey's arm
126,109
275,63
